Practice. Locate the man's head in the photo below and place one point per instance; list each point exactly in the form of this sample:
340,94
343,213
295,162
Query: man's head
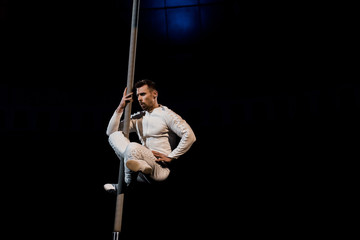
147,94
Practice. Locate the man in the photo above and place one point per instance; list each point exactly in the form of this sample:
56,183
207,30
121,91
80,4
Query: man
157,128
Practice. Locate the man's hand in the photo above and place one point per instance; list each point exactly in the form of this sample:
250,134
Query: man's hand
161,157
127,98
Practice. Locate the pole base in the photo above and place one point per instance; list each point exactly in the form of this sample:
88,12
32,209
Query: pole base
116,235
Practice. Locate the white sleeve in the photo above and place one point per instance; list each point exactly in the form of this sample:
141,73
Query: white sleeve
181,128
114,123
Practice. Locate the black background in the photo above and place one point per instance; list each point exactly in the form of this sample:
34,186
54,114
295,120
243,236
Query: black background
269,90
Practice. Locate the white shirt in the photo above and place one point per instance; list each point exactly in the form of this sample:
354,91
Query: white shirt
157,130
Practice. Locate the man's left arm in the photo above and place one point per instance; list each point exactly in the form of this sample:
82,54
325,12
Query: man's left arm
181,128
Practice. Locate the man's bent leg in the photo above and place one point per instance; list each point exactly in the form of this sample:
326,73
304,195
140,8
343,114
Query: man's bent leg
138,152
119,143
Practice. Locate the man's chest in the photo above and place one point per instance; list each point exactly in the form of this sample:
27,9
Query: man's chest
154,125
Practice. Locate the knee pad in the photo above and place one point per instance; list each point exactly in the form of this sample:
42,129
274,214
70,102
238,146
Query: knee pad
118,142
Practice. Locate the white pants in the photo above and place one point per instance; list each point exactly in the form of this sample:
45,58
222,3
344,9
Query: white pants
127,150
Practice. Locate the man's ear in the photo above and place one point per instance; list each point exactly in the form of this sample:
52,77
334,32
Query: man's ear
155,93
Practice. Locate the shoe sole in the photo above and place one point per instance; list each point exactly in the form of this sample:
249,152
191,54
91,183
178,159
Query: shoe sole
110,188
135,166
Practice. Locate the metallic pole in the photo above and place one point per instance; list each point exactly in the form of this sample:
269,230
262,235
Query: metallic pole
130,83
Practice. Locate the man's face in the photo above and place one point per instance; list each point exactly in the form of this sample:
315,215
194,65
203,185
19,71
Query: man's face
146,97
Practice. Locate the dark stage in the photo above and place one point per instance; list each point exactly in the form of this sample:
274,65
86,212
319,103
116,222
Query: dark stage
270,92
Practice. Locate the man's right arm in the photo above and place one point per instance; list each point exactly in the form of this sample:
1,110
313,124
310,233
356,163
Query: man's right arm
114,123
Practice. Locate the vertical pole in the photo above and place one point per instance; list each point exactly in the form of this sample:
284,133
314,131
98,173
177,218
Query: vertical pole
130,83
131,64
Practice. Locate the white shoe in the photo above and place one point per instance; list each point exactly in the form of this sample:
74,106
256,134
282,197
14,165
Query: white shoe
139,165
110,187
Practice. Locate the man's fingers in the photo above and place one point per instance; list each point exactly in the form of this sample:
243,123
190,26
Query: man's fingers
125,94
156,154
127,97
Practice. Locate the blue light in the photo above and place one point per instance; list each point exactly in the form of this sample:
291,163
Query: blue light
183,24
177,3
179,21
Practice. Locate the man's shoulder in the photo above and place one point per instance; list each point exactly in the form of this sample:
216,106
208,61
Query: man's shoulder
169,112
165,109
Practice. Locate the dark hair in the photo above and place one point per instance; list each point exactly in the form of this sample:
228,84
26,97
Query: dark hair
148,82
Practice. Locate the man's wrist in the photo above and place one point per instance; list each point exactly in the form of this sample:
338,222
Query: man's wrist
119,110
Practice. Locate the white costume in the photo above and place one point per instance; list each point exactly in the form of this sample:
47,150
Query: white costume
158,131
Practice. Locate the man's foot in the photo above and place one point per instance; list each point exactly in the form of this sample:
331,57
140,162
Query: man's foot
139,165
111,188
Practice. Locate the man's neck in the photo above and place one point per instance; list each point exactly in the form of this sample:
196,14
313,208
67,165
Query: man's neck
152,109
